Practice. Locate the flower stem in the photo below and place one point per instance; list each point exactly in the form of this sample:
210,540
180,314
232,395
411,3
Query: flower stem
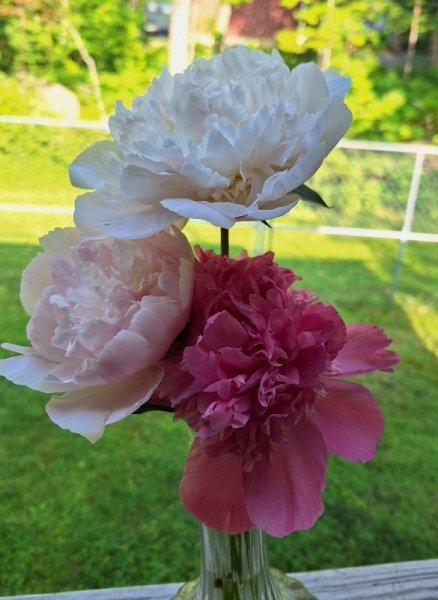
225,244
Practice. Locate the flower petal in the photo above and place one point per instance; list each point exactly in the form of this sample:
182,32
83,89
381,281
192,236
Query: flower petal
282,183
32,371
192,209
350,421
87,411
95,214
36,277
125,354
95,166
337,85
285,496
211,489
364,351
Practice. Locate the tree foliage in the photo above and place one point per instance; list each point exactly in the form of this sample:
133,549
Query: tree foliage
33,36
357,38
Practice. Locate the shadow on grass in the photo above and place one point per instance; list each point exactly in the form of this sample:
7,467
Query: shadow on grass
74,516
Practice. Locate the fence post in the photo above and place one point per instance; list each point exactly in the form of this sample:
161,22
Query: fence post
408,219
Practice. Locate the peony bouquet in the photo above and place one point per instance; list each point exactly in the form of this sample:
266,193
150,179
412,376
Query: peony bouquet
125,318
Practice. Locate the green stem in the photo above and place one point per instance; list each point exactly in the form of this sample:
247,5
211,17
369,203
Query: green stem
225,244
231,586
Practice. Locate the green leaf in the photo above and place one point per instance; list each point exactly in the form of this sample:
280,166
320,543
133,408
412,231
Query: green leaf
309,195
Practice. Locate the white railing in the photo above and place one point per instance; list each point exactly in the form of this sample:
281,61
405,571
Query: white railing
403,235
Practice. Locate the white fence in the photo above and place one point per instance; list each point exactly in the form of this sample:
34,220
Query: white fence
405,233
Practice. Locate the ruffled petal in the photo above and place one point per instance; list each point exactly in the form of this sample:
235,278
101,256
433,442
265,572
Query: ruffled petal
285,496
364,351
211,489
87,411
350,421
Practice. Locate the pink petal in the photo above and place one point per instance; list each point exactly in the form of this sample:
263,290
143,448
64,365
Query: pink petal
87,411
211,489
285,496
158,321
36,277
126,354
349,420
363,351
60,241
222,330
41,328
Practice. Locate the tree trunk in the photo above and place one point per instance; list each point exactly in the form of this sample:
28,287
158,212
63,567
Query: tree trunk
91,66
434,41
325,54
86,57
180,54
413,38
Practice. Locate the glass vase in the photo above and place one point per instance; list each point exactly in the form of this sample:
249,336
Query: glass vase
235,567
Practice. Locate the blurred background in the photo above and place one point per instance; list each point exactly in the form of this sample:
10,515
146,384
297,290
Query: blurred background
76,516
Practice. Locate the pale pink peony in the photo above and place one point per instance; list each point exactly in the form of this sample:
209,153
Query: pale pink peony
257,382
103,312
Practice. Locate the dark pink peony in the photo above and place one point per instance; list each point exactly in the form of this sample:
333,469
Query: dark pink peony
257,382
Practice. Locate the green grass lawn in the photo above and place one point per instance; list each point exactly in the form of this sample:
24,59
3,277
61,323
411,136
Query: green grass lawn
74,515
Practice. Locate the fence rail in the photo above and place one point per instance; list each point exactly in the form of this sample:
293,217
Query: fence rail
403,182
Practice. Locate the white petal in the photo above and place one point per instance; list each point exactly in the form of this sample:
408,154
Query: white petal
138,182
337,85
263,214
203,177
96,216
311,88
97,165
205,211
283,183
220,154
32,372
340,121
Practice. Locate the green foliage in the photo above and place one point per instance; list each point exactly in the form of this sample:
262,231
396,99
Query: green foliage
348,35
133,79
112,32
36,39
17,97
326,25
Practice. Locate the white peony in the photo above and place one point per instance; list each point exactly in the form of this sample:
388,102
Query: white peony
224,141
